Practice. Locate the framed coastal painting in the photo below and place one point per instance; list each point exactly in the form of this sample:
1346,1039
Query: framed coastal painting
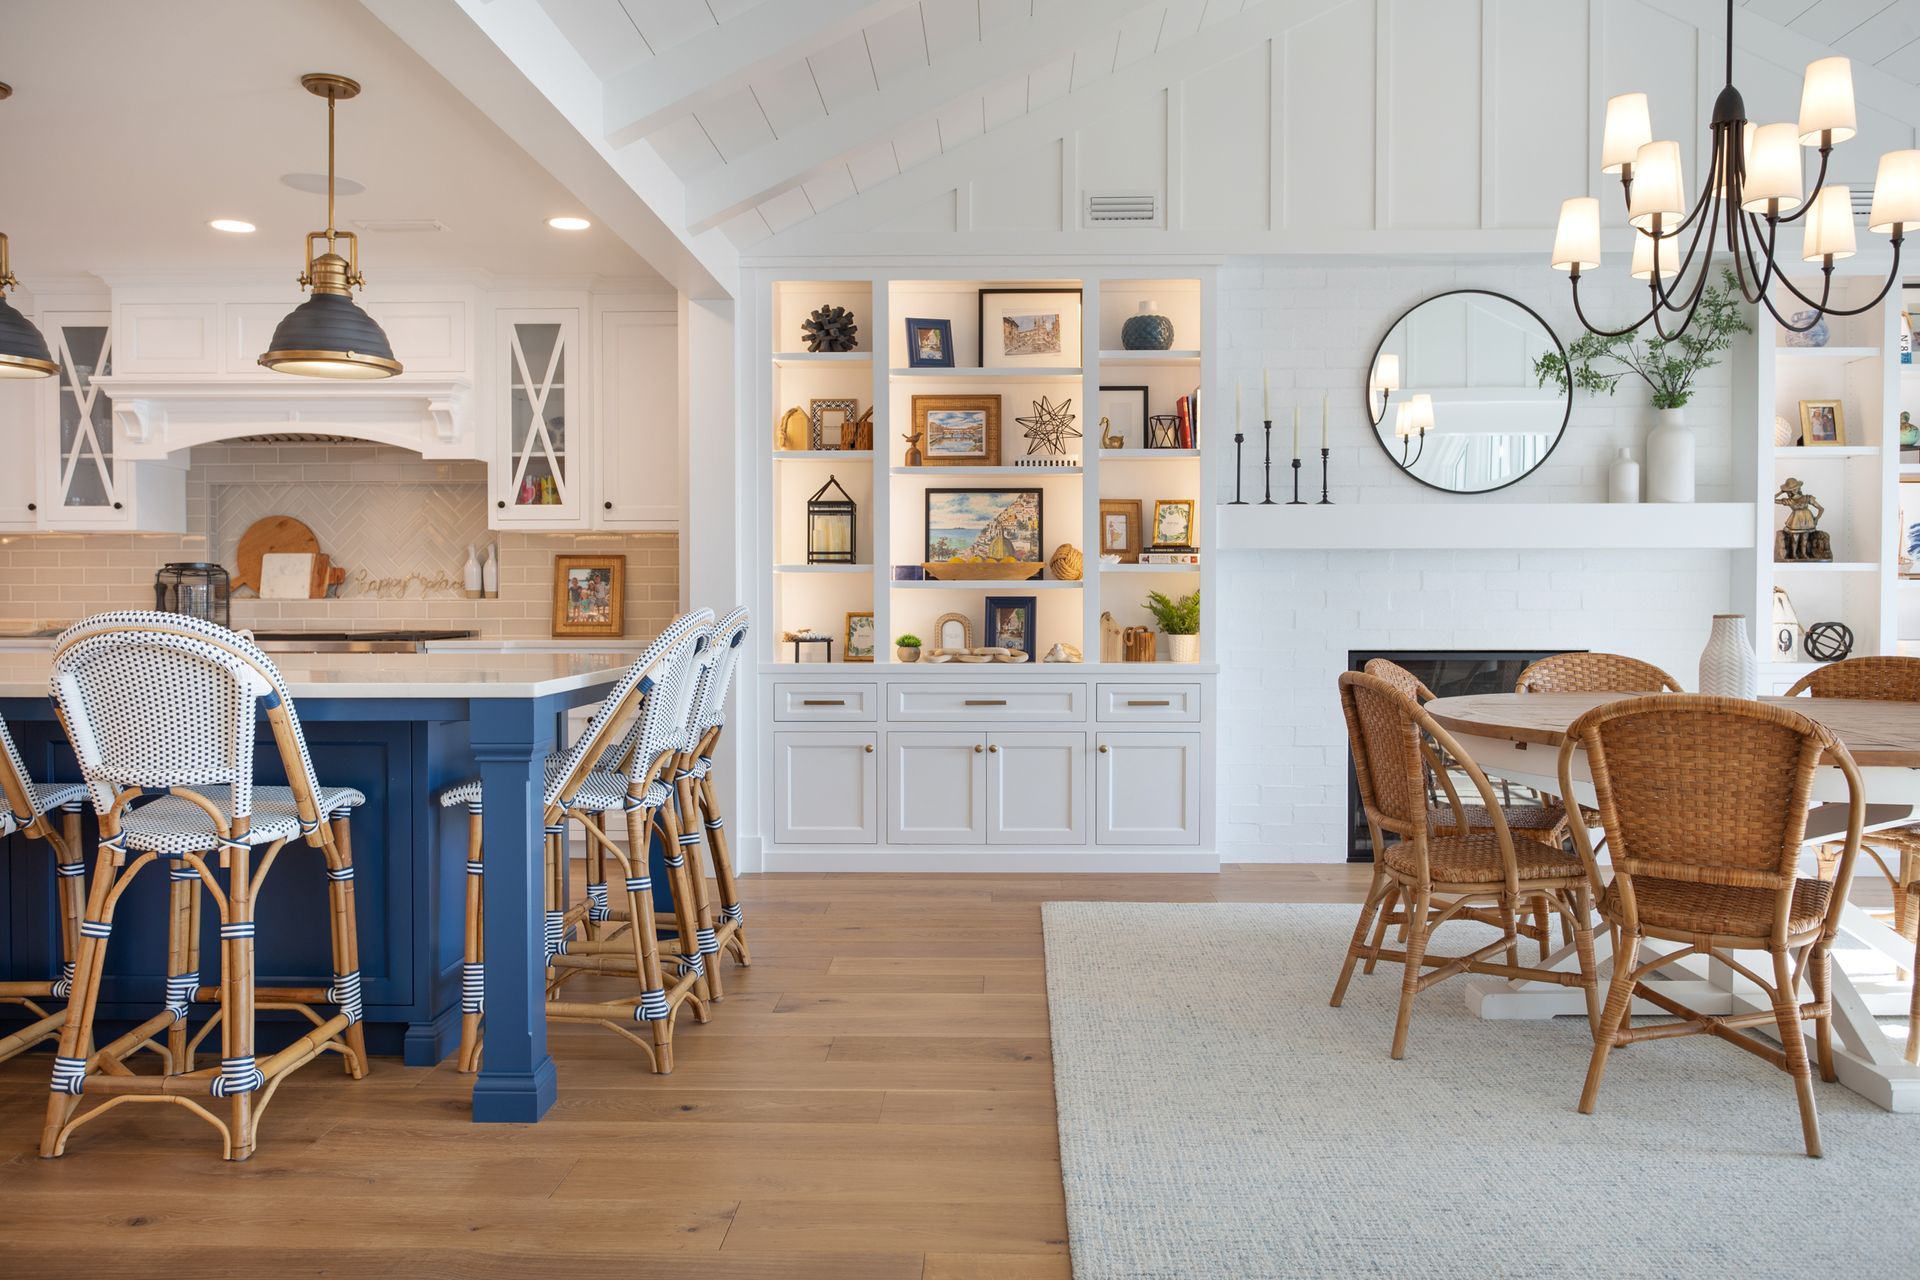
958,431
589,596
929,344
1001,526
1010,622
1029,328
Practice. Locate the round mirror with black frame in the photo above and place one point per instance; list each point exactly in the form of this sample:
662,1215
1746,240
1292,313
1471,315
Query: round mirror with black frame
1452,395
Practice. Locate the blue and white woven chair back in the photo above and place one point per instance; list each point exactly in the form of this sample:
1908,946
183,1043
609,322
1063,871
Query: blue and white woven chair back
718,663
18,784
618,727
150,703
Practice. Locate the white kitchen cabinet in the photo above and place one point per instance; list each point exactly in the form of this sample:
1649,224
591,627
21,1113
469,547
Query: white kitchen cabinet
636,424
826,788
1036,788
83,484
936,788
538,469
20,482
1147,788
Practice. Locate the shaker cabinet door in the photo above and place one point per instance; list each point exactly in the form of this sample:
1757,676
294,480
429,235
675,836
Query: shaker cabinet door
637,422
826,788
1147,788
1037,788
936,788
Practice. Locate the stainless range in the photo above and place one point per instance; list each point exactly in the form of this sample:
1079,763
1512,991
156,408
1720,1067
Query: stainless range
354,641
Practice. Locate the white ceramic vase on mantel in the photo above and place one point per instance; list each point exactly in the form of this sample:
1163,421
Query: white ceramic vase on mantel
1729,668
1670,458
1623,478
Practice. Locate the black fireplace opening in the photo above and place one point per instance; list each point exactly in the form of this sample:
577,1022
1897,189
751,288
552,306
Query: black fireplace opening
1450,673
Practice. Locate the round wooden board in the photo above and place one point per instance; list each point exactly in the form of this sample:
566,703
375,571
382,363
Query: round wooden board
272,534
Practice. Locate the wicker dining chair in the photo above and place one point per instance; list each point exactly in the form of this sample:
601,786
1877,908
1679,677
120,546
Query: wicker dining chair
161,713
1543,820
30,807
1444,877
1878,679
1594,673
1704,802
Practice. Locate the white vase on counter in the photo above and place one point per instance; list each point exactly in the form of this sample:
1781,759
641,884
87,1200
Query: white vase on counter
1670,458
470,579
1729,668
490,572
1623,478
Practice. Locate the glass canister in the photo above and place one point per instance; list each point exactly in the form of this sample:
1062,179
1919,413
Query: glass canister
194,588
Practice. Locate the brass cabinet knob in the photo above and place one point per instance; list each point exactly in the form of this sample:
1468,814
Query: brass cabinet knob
995,748
1103,748
869,748
977,748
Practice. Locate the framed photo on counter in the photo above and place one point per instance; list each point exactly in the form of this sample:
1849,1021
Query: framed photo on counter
589,596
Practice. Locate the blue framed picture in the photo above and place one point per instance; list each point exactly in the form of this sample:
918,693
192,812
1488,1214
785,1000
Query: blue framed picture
1010,622
929,344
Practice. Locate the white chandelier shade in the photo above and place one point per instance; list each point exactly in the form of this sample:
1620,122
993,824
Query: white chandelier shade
1754,188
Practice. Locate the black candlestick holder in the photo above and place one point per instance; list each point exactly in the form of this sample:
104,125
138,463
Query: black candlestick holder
1325,501
1238,438
1296,483
1268,500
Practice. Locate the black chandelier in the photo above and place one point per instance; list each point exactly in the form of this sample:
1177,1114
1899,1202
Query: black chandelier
1753,189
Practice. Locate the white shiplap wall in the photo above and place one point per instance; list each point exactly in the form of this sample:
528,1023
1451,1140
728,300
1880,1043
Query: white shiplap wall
1289,618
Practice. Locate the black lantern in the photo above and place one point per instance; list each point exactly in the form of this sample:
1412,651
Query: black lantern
831,525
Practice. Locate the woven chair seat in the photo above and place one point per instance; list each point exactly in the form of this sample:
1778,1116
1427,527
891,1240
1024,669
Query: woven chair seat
48,796
1901,839
175,825
598,793
1520,817
1475,859
1718,908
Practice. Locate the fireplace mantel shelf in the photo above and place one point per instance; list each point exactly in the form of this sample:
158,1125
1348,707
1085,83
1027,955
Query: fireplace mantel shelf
1466,525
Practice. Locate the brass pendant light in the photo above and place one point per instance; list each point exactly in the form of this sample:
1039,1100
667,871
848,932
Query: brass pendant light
23,352
328,336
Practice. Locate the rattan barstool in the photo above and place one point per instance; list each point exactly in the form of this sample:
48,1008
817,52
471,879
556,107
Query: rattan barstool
622,763
30,806
1492,875
161,712
1704,802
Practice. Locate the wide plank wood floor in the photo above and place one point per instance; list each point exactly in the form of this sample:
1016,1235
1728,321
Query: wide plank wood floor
872,1101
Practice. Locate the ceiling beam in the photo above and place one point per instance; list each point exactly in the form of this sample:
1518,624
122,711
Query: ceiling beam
510,61
724,59
767,171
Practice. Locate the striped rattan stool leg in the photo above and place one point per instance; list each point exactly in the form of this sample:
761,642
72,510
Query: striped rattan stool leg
473,956
705,939
733,921
239,1072
337,834
183,960
76,1036
685,908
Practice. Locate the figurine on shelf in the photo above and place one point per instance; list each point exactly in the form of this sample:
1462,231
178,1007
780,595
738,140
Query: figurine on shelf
1111,439
1800,539
913,458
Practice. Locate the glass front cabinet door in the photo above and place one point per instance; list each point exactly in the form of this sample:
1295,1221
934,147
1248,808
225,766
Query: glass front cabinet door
84,484
537,472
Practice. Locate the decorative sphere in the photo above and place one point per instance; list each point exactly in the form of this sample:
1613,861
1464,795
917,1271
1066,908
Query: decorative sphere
831,328
1829,641
1067,563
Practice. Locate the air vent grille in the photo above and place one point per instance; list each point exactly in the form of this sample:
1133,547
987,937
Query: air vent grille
1124,209
401,225
1862,201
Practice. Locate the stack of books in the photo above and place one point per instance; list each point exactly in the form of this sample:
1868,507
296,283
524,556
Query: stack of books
1170,555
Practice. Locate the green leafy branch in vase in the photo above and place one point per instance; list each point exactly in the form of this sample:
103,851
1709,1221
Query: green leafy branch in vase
1668,366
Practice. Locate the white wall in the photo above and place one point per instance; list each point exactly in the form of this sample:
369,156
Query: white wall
1290,618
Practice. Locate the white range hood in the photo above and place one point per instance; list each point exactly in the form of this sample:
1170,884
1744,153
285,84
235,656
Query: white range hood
159,414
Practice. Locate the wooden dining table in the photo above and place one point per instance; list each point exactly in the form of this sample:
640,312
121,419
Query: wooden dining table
1517,737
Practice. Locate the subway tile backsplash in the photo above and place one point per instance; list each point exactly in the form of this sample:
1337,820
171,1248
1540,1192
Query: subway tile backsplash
379,512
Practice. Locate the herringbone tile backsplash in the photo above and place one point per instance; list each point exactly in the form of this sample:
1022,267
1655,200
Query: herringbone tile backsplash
394,521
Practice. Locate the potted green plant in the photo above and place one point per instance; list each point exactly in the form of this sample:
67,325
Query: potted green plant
1668,366
1180,621
907,647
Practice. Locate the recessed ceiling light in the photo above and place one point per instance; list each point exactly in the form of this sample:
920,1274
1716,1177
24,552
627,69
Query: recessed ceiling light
234,225
568,224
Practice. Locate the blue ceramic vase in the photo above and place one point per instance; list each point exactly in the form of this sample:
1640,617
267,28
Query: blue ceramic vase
1147,331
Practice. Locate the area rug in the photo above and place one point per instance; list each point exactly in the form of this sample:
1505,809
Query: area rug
1218,1121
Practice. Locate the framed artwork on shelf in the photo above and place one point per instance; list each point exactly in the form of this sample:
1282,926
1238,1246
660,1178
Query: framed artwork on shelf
929,344
830,421
1123,417
859,642
1822,422
982,533
957,431
1120,529
589,596
1010,621
1028,328
1908,530
953,631
1173,522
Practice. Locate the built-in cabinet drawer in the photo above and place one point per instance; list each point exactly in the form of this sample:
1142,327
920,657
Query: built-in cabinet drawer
1147,703
826,702
970,702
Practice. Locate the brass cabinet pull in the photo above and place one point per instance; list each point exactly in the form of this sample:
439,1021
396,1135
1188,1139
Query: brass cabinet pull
977,748
870,748
823,702
986,702
1103,748
995,748
1149,702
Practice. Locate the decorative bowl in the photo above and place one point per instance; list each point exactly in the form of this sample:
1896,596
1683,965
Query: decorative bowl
982,571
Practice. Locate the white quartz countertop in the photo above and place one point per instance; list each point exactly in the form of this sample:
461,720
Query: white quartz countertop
388,675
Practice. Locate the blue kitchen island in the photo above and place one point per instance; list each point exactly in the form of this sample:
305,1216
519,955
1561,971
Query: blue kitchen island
398,727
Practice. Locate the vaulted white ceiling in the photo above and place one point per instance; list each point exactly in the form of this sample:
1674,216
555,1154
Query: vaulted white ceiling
1878,33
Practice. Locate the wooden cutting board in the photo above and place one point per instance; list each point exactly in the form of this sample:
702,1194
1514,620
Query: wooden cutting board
272,534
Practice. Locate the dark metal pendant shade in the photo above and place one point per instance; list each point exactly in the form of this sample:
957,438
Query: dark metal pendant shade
328,336
23,352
